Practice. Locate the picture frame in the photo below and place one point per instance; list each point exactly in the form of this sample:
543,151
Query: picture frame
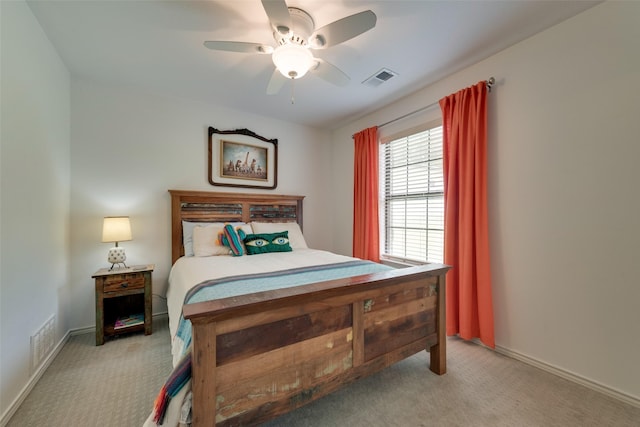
242,158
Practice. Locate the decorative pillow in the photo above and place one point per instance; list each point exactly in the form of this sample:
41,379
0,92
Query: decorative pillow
187,232
206,242
296,239
263,243
233,239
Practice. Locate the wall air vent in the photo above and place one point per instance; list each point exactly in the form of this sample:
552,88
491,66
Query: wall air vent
380,77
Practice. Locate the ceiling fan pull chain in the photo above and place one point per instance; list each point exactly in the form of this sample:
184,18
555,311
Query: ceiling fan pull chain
292,90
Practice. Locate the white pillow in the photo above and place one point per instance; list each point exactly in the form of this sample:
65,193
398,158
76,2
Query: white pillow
206,241
187,232
296,239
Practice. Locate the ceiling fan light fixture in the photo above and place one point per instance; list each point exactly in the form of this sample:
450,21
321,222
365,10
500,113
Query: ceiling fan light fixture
293,61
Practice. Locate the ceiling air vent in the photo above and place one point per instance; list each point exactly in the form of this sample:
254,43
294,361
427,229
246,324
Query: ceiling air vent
380,77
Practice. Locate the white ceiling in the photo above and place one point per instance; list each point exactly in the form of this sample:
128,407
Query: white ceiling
157,46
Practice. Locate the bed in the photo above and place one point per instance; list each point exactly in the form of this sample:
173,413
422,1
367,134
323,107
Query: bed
264,350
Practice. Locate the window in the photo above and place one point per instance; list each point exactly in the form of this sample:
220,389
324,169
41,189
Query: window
412,196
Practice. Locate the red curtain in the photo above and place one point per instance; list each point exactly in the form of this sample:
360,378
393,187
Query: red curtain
469,300
366,230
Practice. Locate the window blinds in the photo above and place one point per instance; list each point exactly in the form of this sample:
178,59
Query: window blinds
412,193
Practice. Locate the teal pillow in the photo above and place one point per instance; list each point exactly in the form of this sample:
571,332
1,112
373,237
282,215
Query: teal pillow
263,243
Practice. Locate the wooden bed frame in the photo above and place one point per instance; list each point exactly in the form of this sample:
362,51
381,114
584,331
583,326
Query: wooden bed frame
261,355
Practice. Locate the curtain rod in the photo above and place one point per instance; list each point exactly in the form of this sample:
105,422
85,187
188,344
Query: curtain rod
489,82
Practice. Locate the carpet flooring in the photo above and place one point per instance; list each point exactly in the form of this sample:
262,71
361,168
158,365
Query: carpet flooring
115,385
110,385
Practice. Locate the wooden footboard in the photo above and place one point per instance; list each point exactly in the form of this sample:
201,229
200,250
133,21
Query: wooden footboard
261,355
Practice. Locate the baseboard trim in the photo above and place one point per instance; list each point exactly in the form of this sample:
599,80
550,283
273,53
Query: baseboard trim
84,330
33,380
567,375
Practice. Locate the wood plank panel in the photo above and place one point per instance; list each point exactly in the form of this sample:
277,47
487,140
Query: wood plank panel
262,338
243,370
202,217
284,383
438,351
395,312
204,378
304,396
378,296
389,335
358,333
396,298
269,316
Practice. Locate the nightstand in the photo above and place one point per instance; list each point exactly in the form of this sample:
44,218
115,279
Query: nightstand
123,301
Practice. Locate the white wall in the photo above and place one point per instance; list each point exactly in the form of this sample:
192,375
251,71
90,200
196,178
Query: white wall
128,148
563,189
34,170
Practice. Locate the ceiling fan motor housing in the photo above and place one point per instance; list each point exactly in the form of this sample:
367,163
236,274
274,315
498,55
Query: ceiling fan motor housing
302,28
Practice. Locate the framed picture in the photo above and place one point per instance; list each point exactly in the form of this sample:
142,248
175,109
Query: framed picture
241,158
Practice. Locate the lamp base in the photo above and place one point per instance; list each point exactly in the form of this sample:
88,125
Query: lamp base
116,256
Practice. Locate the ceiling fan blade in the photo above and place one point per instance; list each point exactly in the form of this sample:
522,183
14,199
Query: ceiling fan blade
330,73
343,30
276,82
278,14
242,47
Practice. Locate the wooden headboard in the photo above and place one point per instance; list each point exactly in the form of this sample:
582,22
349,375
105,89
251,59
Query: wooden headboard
205,206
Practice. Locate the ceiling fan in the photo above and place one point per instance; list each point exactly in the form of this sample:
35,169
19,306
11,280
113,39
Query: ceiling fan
295,34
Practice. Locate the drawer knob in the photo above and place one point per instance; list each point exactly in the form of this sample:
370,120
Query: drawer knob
124,285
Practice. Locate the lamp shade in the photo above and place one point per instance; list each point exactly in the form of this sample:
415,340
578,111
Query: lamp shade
116,229
292,60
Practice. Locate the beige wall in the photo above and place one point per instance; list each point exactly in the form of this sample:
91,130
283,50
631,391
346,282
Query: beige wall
565,215
34,227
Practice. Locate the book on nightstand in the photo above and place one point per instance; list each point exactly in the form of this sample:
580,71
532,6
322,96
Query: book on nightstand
125,322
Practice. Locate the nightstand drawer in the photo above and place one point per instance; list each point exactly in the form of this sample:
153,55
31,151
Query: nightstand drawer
119,282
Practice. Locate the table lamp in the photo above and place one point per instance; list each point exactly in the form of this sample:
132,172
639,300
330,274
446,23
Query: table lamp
116,229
